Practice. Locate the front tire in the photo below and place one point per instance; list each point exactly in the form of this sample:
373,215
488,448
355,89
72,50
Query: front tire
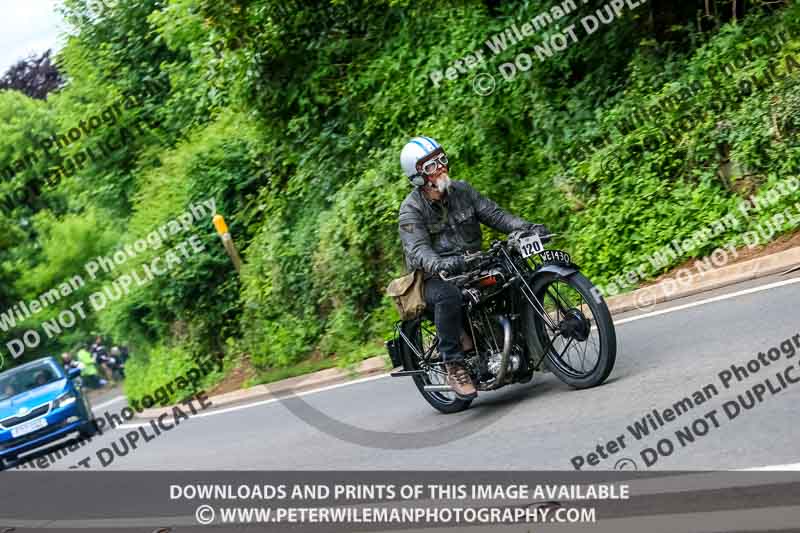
579,322
88,429
422,334
7,463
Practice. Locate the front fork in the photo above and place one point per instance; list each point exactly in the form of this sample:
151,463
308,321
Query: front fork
528,291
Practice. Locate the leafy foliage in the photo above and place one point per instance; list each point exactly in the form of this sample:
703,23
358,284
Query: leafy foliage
291,116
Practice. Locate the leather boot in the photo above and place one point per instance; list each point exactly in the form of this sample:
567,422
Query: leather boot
460,381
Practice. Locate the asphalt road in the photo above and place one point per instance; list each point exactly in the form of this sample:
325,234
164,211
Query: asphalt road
383,422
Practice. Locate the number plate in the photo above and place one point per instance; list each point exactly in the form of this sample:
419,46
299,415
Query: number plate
28,427
530,245
555,256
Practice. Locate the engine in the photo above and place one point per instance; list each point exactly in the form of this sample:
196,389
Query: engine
488,285
495,359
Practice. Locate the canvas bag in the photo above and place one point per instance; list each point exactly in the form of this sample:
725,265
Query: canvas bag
408,294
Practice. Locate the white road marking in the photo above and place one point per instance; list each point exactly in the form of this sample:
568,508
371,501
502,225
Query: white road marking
792,467
709,300
271,400
616,323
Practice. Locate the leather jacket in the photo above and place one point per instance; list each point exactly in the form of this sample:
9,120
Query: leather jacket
436,234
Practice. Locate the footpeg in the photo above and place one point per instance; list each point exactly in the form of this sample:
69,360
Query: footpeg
403,373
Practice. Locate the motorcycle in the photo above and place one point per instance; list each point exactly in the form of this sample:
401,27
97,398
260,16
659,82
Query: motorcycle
527,309
113,362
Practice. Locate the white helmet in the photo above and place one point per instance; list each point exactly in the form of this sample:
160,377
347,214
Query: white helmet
416,149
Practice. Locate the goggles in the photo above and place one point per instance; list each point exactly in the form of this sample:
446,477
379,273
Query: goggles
430,166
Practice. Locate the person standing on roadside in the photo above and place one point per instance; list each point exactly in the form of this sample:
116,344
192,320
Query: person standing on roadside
89,372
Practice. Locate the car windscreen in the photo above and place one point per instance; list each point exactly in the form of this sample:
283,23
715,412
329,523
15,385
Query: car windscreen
25,378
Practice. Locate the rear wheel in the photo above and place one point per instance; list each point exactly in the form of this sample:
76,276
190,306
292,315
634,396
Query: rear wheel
577,340
423,354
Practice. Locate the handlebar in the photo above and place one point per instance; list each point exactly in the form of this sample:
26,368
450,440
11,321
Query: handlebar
480,258
444,277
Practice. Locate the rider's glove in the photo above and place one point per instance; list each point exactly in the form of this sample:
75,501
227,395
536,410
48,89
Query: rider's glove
454,265
540,230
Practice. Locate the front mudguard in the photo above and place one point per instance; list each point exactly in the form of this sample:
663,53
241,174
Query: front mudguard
562,270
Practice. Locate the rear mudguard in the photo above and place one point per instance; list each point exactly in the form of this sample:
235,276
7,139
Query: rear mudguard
399,350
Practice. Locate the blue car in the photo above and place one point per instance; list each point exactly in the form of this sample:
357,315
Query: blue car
40,403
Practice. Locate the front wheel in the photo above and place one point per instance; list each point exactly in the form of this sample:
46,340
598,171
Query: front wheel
576,336
88,429
423,354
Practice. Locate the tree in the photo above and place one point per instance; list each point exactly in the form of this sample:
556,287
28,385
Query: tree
34,76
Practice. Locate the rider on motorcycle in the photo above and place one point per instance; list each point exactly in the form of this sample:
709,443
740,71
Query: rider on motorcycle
439,223
101,358
116,362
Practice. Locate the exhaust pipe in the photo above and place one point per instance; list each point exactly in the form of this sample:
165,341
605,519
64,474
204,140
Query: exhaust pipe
507,335
437,388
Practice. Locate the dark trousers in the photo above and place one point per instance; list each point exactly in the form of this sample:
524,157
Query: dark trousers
444,299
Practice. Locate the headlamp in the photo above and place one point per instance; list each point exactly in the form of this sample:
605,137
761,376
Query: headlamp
64,400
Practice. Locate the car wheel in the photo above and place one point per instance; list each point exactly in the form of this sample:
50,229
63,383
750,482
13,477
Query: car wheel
7,462
89,429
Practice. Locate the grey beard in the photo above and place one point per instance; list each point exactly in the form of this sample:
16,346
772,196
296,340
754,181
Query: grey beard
443,184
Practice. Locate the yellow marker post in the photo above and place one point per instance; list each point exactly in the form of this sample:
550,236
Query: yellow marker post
227,241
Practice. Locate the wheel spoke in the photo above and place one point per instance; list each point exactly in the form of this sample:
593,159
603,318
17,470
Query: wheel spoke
563,299
557,302
561,355
434,370
583,356
573,314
